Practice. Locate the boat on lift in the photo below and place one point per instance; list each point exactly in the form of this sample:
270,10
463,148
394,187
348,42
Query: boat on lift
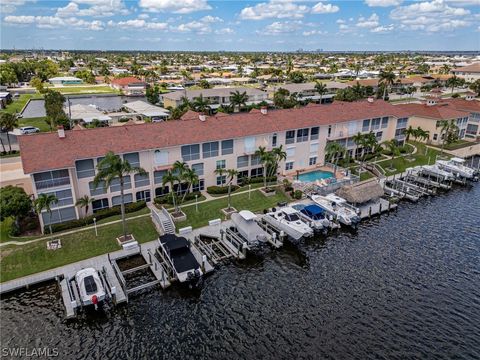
338,207
287,219
246,224
90,287
457,167
314,215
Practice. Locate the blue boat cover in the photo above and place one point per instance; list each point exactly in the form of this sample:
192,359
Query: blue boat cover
314,209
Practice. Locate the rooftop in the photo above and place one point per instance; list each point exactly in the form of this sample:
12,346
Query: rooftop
177,95
440,111
473,68
126,81
36,150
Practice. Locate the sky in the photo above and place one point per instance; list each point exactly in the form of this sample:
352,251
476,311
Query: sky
230,25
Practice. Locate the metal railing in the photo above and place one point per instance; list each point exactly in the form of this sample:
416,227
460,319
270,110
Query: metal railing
46,184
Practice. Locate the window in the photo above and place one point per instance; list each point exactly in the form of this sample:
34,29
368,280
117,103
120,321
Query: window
221,180
312,160
242,174
255,160
117,200
376,123
191,152
350,142
115,184
314,133
210,149
402,122
329,131
242,161
158,176
379,135
141,180
59,215
198,168
256,172
314,148
249,144
290,152
384,122
290,137
274,140
302,135
227,147
85,168
99,204
99,190
366,125
399,132
160,157
289,165
51,179
221,164
160,191
143,195
200,186
64,197
133,159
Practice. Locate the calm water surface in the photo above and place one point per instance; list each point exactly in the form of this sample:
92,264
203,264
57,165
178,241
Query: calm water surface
406,285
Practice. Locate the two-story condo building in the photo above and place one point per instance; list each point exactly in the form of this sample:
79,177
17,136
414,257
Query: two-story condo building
216,97
65,163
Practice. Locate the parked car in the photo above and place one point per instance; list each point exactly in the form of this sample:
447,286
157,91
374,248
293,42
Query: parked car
29,130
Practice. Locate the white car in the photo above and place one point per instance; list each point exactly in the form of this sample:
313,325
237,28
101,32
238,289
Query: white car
29,130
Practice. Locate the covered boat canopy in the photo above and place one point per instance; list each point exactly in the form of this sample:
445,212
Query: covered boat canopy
247,215
361,193
314,210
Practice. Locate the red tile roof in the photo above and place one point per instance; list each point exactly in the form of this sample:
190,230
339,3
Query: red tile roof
440,111
472,68
465,105
46,151
125,81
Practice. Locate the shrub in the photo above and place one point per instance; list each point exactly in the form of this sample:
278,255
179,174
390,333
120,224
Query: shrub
221,189
99,215
167,199
256,180
297,194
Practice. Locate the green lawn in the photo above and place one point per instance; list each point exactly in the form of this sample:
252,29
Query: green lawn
75,89
420,158
17,261
459,144
240,189
4,230
17,105
37,122
212,209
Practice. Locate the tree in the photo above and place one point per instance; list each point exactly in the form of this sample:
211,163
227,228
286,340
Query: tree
238,99
179,169
54,108
204,84
410,131
7,74
475,86
392,146
84,202
333,150
8,122
45,202
37,83
445,69
296,77
191,178
454,82
46,69
113,167
387,78
265,158
283,99
153,94
278,155
321,89
448,132
230,173
201,104
14,202
170,178
86,75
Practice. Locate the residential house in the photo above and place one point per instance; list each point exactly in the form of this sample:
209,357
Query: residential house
470,73
130,86
65,80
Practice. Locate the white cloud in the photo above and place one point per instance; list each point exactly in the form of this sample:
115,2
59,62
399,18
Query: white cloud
313,32
54,22
278,9
431,16
9,6
340,21
277,28
371,22
143,16
383,3
322,8
211,19
224,31
19,19
104,8
200,26
383,29
70,10
140,24
175,6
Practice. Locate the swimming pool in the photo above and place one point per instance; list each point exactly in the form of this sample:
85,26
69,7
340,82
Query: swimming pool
314,175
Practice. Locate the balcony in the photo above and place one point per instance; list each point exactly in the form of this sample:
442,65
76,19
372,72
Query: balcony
48,184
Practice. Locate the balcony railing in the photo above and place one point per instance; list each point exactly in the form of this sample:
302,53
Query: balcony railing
47,184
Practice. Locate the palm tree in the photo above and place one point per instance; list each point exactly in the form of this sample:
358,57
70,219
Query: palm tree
45,202
231,173
200,104
114,167
359,140
266,159
446,69
387,78
448,131
191,178
410,131
238,99
84,202
8,123
170,178
392,146
370,142
454,82
321,89
185,103
332,150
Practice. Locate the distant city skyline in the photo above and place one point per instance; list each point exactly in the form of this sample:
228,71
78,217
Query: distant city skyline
275,25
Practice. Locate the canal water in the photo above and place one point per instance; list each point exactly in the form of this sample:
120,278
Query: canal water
405,285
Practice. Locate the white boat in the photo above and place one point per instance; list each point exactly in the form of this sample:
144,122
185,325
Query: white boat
246,224
456,167
90,287
288,220
313,215
434,170
339,208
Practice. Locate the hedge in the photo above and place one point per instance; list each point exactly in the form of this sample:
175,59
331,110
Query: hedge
167,199
221,189
256,180
99,215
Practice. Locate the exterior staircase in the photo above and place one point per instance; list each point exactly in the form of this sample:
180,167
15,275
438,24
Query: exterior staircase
162,220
